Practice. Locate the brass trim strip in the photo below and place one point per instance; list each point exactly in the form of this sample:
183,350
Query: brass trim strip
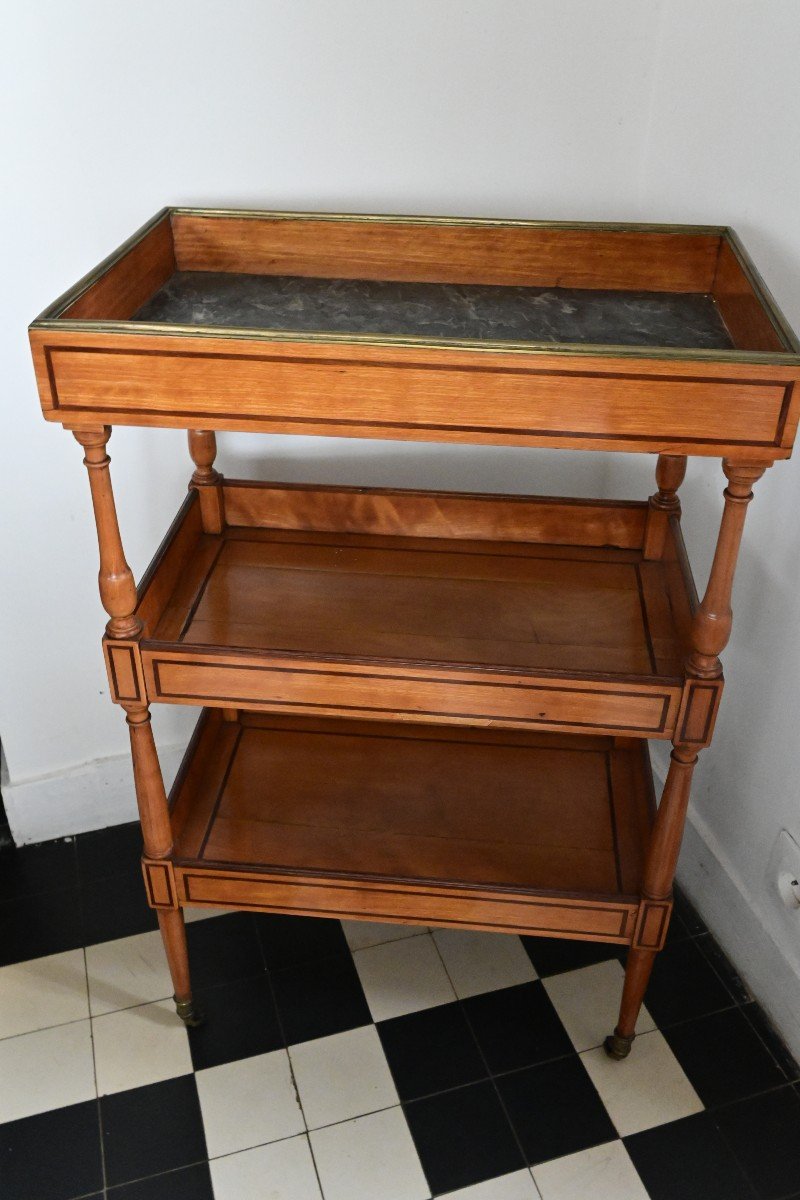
50,319
406,219
567,349
78,289
764,295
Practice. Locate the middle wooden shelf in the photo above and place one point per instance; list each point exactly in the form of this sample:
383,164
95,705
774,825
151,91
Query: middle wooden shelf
530,613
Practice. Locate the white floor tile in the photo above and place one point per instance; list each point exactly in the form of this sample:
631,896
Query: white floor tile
482,962
200,914
140,1045
371,1158
248,1102
47,1069
43,992
647,1089
342,1076
360,934
282,1171
602,1173
127,972
403,977
587,1001
516,1186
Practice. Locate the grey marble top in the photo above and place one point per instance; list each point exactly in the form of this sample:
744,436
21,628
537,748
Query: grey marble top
470,312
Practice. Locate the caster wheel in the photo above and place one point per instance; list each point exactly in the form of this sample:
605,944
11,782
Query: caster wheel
189,1013
617,1047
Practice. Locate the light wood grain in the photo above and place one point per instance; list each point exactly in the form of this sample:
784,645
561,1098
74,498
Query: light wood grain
741,310
432,394
441,253
125,286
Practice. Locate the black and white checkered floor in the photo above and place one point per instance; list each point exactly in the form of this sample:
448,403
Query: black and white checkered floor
366,1062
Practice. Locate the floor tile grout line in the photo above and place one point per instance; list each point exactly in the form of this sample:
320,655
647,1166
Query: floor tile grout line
421,932
717,972
733,1008
787,1053
732,1147
489,1077
533,1181
282,1031
485,1062
198,1162
11,1037
96,1086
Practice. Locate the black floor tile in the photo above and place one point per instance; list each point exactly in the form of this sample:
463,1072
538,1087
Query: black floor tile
48,867
555,1109
684,985
188,1183
687,1160
318,999
115,907
772,1040
291,941
431,1051
516,1027
688,914
463,1137
723,1057
152,1129
240,1021
764,1135
223,949
724,968
52,1156
551,956
109,851
45,923
677,930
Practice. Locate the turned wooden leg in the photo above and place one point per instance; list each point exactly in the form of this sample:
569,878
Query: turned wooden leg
664,504
711,629
656,903
206,480
151,797
117,586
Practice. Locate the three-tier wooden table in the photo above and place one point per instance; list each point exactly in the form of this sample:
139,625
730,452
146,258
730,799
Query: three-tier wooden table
415,706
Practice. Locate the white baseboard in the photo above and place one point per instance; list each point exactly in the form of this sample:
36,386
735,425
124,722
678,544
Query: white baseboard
91,796
714,887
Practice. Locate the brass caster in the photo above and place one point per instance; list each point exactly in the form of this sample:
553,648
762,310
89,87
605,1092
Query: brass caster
188,1013
618,1047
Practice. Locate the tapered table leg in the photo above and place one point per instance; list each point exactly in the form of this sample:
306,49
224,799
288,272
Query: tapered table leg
157,835
173,934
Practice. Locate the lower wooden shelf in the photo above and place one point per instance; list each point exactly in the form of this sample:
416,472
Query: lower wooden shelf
492,829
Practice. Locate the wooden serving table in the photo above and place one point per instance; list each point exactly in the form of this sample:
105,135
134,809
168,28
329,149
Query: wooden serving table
425,707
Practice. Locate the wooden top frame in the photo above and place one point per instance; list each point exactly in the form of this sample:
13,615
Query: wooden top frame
95,365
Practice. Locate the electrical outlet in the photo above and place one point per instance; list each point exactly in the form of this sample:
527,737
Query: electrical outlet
784,873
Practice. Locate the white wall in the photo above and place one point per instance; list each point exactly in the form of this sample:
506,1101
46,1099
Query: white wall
619,109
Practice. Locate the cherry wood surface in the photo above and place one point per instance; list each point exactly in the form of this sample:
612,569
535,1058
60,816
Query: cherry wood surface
420,392
579,634
441,252
339,595
529,812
